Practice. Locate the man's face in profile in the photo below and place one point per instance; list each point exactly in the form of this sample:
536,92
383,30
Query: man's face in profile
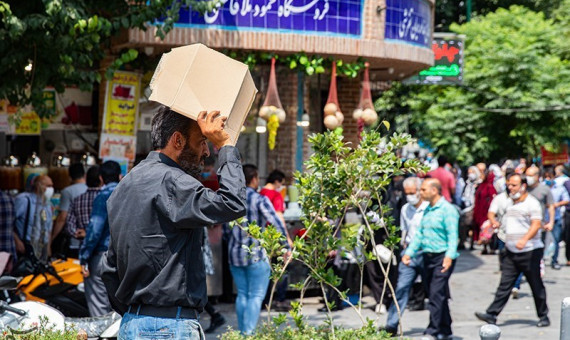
195,151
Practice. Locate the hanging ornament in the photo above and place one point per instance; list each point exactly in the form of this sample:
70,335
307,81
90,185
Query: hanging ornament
365,113
272,110
333,115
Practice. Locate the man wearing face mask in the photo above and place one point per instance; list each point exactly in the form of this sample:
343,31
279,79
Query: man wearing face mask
154,269
437,236
34,219
523,224
410,218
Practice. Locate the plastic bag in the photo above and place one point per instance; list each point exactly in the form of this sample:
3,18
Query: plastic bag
272,110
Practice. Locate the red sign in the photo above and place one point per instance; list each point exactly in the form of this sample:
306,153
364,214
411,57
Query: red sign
551,158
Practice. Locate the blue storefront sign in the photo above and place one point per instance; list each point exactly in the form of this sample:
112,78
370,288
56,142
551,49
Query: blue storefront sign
321,17
409,22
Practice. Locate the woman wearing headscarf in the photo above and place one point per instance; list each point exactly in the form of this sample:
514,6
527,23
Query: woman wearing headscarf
483,197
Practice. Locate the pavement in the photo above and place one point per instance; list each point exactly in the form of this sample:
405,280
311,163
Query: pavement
473,285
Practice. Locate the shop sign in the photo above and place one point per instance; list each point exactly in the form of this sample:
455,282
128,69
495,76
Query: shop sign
448,61
409,22
321,17
117,146
122,104
18,121
555,158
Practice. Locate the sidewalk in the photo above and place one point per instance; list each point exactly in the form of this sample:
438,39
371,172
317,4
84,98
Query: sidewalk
473,285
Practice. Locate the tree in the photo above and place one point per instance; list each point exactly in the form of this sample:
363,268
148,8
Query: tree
60,43
515,96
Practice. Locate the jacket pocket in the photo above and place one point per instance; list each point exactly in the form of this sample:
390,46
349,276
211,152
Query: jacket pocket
155,247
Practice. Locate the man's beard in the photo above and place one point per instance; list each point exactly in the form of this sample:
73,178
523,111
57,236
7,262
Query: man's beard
190,162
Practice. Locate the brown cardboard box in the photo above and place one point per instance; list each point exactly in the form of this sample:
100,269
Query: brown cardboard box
195,78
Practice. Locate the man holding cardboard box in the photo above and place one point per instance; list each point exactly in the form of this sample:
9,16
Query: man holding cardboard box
153,271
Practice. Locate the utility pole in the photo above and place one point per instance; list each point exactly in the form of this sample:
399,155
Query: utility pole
469,10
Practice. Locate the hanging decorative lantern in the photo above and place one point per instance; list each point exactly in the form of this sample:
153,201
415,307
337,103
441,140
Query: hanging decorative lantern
272,110
365,113
333,115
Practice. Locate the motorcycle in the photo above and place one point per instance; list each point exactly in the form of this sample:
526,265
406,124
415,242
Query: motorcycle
55,291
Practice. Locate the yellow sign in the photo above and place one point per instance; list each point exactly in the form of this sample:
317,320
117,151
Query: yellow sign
30,124
122,104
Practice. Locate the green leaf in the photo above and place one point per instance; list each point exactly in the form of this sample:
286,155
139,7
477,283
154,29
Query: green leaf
386,124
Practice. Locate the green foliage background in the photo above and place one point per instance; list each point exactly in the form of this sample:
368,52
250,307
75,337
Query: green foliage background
515,95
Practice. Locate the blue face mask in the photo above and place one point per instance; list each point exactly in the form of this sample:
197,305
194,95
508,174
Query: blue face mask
548,182
205,175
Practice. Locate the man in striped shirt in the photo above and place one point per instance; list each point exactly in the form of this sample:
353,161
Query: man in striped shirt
80,212
248,261
437,236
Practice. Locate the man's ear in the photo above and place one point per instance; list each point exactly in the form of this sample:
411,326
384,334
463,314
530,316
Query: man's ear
178,140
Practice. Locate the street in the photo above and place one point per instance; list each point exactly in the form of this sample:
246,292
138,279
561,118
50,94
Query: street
473,285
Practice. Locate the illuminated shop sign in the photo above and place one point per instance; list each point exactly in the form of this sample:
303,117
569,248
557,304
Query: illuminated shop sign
448,62
324,17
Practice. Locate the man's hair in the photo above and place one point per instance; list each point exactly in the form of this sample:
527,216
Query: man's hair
110,171
276,176
435,183
521,176
250,172
93,180
441,161
411,181
76,171
165,123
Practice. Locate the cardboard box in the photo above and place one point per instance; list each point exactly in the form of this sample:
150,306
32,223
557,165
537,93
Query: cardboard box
195,78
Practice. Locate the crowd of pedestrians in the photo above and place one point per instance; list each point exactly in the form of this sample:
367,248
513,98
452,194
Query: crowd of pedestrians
151,265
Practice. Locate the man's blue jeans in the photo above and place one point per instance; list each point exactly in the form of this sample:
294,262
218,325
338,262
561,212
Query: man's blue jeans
557,234
142,327
251,283
406,277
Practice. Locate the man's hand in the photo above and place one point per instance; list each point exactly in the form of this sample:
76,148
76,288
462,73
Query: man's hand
447,261
496,224
84,271
549,226
521,243
80,234
212,126
406,259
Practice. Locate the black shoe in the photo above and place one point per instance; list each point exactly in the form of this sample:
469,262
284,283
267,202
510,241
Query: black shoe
444,337
543,322
217,321
390,331
334,309
488,318
556,266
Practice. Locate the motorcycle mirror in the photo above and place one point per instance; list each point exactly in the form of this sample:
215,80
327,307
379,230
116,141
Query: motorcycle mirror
8,283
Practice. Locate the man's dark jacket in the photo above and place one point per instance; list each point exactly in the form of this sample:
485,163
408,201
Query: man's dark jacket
156,218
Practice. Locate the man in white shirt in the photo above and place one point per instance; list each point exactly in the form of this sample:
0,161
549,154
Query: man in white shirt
523,222
410,218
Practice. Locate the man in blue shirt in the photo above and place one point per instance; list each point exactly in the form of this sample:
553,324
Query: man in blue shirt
437,236
96,242
250,268
561,198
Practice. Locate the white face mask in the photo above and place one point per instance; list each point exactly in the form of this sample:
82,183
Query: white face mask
531,181
472,176
518,194
48,193
412,199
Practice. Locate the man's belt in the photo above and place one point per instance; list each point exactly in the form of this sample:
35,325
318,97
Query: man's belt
164,312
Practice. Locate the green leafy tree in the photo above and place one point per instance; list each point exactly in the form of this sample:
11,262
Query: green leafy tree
61,43
515,96
338,179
